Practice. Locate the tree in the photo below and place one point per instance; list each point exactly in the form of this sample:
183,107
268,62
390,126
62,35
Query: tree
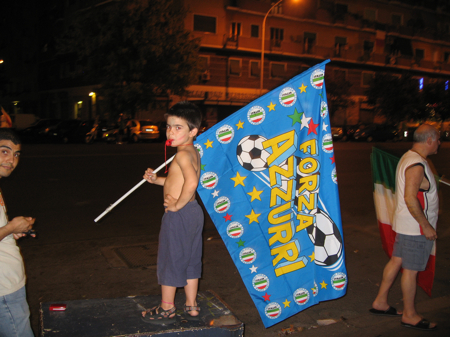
436,101
339,97
136,50
395,98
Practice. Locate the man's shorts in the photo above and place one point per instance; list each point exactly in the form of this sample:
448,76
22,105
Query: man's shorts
180,246
414,250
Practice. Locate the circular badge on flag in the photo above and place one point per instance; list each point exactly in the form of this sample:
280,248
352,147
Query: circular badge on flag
334,175
225,134
260,282
256,115
327,143
209,180
317,78
247,255
301,296
287,97
315,290
199,149
222,205
272,310
235,230
323,109
339,281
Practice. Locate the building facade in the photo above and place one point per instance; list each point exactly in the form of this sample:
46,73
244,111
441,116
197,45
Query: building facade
360,37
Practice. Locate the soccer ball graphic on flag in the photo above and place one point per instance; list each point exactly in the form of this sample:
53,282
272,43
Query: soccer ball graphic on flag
251,154
326,238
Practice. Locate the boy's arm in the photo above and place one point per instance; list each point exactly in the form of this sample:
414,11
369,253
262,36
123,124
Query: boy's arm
17,226
184,160
153,178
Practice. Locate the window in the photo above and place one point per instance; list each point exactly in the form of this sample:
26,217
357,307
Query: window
339,45
340,75
397,19
204,62
254,69
277,70
278,9
368,47
341,10
254,31
447,57
367,78
206,24
419,54
309,41
277,34
234,67
370,14
235,30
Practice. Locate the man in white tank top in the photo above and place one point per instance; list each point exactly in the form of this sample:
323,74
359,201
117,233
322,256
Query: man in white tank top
415,219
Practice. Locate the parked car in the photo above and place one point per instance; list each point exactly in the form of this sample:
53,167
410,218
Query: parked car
39,132
135,131
376,132
64,131
338,133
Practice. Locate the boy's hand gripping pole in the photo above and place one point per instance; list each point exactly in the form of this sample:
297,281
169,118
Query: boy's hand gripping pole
132,190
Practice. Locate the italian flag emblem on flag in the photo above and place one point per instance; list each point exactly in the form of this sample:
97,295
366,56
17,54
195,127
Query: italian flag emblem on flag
384,166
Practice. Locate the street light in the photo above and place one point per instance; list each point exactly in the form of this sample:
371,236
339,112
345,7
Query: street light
262,47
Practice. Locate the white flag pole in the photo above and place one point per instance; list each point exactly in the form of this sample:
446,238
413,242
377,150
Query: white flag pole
444,182
132,190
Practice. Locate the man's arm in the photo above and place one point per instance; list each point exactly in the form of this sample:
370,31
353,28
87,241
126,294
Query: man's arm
16,226
414,177
184,160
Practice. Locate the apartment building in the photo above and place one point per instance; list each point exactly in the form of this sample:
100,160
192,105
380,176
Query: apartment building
360,38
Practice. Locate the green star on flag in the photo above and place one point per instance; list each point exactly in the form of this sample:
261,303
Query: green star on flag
296,117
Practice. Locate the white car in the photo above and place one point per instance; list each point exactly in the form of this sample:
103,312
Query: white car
136,130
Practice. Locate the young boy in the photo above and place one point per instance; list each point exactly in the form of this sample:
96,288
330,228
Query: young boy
180,238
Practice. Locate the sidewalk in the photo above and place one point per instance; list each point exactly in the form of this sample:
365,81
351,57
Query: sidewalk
80,271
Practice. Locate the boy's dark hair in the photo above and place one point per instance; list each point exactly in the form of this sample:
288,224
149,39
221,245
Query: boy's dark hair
8,134
189,112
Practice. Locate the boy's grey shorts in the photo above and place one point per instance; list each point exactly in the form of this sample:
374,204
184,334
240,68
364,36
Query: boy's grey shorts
414,250
180,246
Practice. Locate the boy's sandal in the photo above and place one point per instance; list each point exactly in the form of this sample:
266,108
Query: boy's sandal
189,308
159,315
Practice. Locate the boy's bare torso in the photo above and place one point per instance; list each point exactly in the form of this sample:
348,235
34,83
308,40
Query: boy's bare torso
175,179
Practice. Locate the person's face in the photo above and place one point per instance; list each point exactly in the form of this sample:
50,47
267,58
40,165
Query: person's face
178,130
9,157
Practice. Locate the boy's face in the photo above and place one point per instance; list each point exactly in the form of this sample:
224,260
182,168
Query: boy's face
9,157
178,131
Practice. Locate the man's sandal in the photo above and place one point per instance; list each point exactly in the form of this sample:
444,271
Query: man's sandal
188,309
158,315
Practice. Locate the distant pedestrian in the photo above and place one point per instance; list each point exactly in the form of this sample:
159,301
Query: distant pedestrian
415,218
180,238
121,130
14,311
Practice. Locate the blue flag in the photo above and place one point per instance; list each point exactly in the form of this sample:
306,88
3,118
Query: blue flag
269,184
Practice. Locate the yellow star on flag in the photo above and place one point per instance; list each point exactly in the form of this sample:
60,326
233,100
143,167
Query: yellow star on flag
209,143
286,303
240,125
253,217
271,106
255,194
238,180
302,88
323,284
312,256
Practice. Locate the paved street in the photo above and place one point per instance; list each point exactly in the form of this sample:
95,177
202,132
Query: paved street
67,186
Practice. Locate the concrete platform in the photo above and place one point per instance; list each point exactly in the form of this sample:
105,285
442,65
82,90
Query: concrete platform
122,317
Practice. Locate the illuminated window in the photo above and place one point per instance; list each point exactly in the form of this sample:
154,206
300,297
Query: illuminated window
420,83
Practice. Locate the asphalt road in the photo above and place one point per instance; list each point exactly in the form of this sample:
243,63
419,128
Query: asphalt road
67,186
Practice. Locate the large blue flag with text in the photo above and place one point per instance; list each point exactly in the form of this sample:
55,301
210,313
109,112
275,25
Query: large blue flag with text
269,184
